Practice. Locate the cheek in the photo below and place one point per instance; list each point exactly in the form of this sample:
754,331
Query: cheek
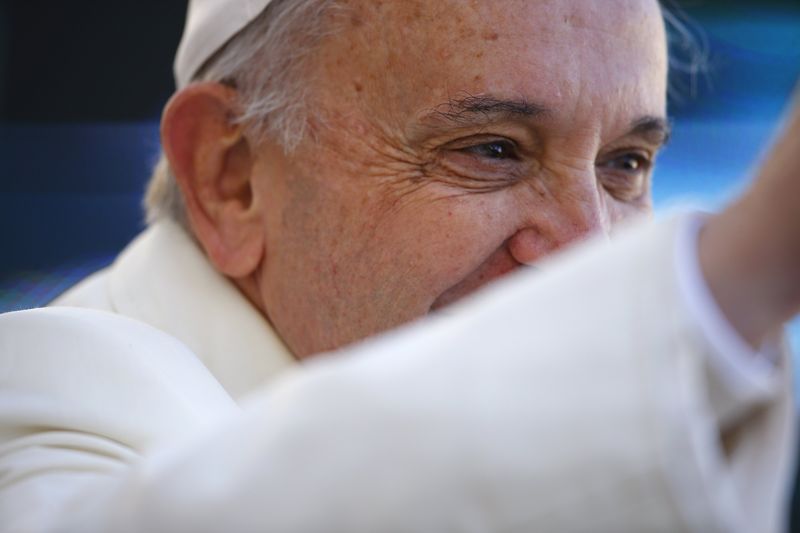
620,212
445,240
385,245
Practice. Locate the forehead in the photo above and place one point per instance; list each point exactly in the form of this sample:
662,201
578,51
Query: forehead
562,54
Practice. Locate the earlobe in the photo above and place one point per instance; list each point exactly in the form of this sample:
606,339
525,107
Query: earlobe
212,160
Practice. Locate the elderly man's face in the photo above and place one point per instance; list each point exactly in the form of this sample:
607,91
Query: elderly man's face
459,141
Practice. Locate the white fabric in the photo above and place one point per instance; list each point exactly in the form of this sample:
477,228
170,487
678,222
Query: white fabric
740,377
209,25
750,373
163,279
738,360
577,399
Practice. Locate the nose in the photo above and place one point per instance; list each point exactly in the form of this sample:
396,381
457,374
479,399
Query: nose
564,218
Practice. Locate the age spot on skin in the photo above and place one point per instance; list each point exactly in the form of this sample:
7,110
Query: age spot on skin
356,21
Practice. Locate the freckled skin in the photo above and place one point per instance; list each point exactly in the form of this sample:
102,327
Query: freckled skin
377,218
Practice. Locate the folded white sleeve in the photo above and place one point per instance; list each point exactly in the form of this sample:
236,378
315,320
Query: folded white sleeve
741,381
581,399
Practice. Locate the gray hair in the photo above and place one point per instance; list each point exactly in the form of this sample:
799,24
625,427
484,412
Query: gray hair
264,62
689,52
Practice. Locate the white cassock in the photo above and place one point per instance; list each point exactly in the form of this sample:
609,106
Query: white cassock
585,398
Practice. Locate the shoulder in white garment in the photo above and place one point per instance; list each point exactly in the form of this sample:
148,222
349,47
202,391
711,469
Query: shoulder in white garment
84,394
163,279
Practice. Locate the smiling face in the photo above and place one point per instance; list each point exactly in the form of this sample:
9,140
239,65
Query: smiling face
457,142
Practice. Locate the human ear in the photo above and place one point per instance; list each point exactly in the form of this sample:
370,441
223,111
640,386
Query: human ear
212,161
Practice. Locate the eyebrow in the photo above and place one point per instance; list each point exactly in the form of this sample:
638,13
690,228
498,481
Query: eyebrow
657,130
484,108
469,109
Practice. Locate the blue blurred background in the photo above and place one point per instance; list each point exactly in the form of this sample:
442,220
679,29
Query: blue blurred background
82,84
725,116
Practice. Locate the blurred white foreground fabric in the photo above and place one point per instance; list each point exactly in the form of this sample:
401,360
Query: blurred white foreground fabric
583,398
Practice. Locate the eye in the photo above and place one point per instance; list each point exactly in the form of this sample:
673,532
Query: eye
483,162
500,149
630,163
624,175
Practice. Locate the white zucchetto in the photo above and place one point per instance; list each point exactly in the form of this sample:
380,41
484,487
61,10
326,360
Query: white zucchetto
209,25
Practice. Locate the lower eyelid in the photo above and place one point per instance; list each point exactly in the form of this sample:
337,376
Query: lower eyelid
625,187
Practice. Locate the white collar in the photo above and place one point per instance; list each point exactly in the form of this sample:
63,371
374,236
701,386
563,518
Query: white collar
164,279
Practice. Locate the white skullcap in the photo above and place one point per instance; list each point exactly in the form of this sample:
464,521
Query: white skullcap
209,25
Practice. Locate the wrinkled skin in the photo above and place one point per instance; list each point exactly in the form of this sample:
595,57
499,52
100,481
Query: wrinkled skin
453,142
